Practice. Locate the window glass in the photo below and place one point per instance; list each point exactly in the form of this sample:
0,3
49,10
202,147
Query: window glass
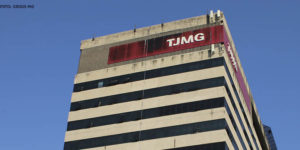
100,84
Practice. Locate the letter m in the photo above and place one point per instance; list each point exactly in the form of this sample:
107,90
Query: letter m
189,40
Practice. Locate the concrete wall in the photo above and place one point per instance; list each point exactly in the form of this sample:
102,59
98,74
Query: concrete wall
94,53
173,142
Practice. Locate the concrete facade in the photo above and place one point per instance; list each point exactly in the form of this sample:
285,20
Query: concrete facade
93,127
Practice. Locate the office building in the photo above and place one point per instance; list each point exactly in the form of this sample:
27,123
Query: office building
270,137
175,86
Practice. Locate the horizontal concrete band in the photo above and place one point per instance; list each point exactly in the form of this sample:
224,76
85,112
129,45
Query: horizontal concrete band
209,83
210,146
173,142
147,113
148,103
145,31
149,84
94,102
146,124
188,56
149,74
147,94
147,134
100,111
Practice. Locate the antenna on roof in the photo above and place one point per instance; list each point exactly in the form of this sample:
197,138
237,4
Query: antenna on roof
211,16
211,13
218,13
162,23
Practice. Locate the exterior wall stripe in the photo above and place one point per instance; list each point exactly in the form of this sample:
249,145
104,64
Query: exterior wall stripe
146,124
147,134
138,76
148,103
148,84
210,146
146,114
173,142
91,103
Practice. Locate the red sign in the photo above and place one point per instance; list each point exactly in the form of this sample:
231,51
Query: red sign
237,71
176,42
166,44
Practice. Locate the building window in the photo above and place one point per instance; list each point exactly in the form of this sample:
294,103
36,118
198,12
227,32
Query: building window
100,84
113,82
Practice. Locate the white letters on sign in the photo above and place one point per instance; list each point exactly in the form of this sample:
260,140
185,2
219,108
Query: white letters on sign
231,56
183,40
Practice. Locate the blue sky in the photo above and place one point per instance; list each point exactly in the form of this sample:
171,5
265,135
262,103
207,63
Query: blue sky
40,52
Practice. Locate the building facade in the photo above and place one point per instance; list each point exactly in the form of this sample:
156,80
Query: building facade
270,137
175,86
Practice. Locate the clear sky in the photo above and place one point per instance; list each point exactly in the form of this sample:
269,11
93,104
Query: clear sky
40,52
